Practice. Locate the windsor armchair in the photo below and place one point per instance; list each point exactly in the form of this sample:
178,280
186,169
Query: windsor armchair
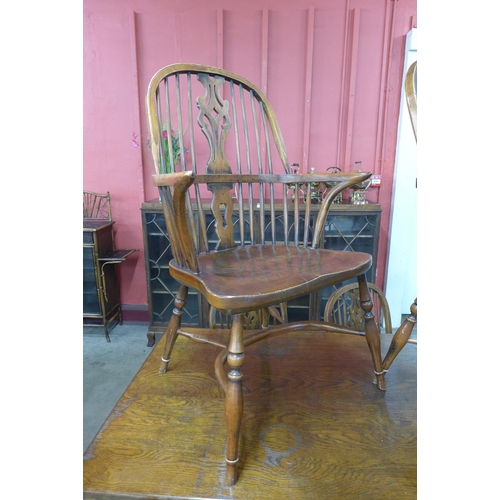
216,141
403,333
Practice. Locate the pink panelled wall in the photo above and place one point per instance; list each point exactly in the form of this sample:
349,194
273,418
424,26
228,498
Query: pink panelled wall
331,68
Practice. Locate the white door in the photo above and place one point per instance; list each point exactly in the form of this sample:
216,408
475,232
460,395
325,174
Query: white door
401,278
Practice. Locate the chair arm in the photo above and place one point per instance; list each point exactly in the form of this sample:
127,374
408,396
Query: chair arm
347,180
170,179
174,208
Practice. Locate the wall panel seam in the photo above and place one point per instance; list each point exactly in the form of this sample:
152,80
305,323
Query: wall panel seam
264,49
308,88
351,89
379,152
342,88
137,106
220,38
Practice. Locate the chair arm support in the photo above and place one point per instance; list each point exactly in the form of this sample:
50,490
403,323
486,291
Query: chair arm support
170,179
352,179
183,247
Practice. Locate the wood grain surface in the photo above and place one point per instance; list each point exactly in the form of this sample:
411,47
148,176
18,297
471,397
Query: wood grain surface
314,426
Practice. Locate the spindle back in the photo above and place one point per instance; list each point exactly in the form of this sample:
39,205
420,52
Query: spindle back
216,143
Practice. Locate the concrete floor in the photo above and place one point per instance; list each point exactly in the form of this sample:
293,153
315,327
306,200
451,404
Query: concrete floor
108,369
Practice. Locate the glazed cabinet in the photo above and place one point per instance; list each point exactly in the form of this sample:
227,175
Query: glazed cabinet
348,227
101,291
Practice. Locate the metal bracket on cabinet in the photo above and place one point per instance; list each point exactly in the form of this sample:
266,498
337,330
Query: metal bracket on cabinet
114,257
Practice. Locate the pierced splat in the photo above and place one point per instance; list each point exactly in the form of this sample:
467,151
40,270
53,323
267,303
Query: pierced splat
355,316
222,208
223,212
214,120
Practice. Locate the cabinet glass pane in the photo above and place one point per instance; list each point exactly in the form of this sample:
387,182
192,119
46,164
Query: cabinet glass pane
162,287
212,235
355,233
280,228
350,234
163,306
345,230
90,296
88,237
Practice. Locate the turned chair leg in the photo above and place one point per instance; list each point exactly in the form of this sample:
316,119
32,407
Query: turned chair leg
234,398
371,331
401,336
172,329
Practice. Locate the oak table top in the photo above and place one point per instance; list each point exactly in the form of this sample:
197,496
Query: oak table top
317,433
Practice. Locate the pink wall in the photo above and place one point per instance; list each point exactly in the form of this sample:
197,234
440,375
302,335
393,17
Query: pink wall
331,68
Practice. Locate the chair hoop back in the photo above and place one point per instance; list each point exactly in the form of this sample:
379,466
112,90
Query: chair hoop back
411,95
216,143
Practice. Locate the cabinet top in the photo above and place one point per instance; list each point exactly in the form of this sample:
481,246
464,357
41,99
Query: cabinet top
94,224
155,206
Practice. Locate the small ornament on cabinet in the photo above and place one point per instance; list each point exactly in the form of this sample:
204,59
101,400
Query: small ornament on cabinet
359,190
338,199
294,189
318,189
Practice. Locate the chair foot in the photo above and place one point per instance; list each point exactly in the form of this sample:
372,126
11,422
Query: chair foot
379,380
151,339
231,472
163,365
